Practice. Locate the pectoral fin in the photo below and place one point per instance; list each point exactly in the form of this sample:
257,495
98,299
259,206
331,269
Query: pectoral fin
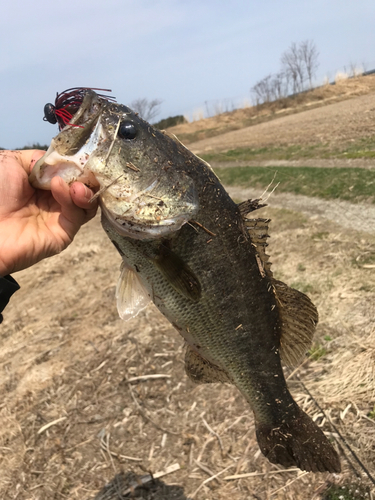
179,275
131,296
201,371
299,318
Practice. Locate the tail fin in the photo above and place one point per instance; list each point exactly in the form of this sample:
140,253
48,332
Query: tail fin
300,443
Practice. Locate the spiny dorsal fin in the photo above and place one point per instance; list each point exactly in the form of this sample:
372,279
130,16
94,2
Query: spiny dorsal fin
299,318
258,231
201,371
298,314
249,206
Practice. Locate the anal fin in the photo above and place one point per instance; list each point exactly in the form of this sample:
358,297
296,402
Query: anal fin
201,371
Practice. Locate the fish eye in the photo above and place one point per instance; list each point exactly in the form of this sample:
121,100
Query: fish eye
127,130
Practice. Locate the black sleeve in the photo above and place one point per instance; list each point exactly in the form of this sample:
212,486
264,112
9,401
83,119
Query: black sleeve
7,288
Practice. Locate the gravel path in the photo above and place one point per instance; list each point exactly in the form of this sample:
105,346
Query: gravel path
366,163
359,217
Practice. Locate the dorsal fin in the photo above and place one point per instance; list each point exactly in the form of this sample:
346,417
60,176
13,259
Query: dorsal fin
249,206
258,231
299,318
298,315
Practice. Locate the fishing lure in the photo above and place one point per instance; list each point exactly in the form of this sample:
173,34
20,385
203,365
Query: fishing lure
67,104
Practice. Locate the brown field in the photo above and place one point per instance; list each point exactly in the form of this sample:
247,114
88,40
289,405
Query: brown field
330,114
72,419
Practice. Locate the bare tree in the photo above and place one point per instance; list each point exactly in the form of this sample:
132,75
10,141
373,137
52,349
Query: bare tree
299,64
279,86
309,55
293,66
262,90
145,108
271,87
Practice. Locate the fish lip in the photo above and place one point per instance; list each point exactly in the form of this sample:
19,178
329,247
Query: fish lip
80,118
74,169
87,118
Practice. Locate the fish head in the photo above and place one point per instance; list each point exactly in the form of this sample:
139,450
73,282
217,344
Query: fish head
109,147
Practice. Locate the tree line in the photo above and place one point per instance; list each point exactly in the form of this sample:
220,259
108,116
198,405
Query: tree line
149,109
298,69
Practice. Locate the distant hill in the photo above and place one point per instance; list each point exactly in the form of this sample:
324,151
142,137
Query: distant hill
36,145
343,89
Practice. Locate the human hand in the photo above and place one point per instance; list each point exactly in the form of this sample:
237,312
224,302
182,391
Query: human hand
36,224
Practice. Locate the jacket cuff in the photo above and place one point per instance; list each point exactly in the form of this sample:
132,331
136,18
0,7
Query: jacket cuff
8,286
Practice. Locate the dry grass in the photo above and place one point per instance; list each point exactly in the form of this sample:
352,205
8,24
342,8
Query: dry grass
79,404
88,399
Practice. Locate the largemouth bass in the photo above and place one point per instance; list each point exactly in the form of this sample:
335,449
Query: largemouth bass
190,249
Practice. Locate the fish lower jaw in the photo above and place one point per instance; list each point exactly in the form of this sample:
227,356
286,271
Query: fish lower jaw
69,168
129,227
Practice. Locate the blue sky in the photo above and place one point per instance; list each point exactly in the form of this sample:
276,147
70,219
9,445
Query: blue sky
185,52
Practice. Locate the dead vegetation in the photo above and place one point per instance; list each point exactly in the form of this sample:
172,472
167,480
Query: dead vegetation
89,400
87,396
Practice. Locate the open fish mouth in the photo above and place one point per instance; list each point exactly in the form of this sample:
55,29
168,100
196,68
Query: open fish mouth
70,150
70,167
139,200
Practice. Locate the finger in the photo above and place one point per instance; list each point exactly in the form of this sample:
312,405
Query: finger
72,217
82,196
28,158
